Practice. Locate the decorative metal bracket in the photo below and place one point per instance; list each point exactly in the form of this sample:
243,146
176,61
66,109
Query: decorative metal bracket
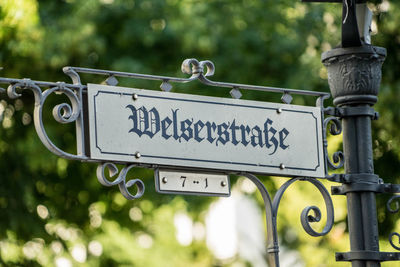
62,113
74,111
271,211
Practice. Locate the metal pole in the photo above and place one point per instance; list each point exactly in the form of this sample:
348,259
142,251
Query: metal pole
362,218
354,76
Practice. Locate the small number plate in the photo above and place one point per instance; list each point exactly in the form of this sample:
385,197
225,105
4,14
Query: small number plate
191,183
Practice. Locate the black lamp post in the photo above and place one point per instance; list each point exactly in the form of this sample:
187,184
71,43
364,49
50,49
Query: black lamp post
354,76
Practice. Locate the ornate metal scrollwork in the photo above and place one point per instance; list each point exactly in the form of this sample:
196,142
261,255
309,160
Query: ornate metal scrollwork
193,67
396,200
306,218
271,209
391,236
67,113
120,180
62,113
334,125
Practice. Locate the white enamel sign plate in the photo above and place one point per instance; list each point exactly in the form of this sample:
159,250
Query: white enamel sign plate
191,183
199,132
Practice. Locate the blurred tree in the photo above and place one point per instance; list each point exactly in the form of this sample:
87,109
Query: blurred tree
54,212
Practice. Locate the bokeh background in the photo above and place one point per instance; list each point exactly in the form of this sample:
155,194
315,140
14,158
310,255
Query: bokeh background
53,212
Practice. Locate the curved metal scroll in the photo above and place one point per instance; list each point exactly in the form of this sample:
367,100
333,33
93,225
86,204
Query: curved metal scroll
391,236
120,180
271,209
335,128
396,200
305,217
193,67
62,113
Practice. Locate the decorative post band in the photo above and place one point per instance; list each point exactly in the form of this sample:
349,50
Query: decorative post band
354,74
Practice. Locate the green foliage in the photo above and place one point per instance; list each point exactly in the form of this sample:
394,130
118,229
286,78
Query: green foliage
51,208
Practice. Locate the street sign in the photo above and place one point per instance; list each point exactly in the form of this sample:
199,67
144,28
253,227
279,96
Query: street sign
180,130
192,183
